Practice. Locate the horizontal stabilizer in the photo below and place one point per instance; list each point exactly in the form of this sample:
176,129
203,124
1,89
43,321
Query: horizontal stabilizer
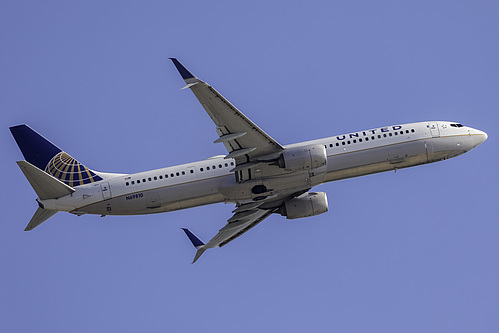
45,185
41,215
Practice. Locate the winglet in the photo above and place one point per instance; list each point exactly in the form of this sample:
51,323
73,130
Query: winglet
182,70
198,244
193,238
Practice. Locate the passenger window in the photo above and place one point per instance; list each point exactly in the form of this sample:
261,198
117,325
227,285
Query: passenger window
390,134
367,139
201,169
178,174
192,171
396,133
384,135
183,173
160,176
337,144
155,178
354,141
127,184
149,179
360,140
172,175
412,130
220,166
348,141
144,180
331,145
401,132
232,163
343,143
379,136
214,167
133,182
207,168
226,165
138,181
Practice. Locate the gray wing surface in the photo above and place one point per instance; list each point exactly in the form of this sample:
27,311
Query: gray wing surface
247,143
243,139
238,224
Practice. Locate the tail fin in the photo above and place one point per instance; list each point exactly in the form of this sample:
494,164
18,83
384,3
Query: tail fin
46,156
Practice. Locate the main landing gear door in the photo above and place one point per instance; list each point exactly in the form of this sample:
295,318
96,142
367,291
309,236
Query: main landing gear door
435,132
106,190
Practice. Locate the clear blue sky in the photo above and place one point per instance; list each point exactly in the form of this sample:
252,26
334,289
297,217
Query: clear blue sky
414,251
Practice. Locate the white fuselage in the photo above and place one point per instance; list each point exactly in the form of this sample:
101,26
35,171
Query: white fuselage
211,180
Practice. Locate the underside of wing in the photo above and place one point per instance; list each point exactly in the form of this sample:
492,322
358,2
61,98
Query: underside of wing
238,225
242,221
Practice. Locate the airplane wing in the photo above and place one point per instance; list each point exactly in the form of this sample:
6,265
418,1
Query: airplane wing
251,148
243,220
243,139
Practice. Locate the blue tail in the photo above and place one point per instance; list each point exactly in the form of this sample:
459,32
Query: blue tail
48,157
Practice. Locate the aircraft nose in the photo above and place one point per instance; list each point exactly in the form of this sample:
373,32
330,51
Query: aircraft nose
480,137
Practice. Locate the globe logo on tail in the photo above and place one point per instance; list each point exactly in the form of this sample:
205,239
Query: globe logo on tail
70,171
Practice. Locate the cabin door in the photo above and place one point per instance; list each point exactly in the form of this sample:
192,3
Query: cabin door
106,190
435,132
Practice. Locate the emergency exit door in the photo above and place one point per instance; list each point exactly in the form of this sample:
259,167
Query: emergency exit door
435,132
106,190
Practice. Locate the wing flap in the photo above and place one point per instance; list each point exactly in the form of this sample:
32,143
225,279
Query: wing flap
229,232
235,229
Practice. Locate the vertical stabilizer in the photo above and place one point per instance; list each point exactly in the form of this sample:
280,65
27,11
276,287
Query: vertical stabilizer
46,156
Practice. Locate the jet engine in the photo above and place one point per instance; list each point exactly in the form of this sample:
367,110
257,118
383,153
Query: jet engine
305,205
303,158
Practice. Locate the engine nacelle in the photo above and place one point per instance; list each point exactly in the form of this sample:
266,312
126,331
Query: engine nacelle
307,204
303,158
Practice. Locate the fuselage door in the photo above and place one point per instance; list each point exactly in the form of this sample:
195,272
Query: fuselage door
106,190
435,132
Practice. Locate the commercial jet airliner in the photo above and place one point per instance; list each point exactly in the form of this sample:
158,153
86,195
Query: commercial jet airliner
259,175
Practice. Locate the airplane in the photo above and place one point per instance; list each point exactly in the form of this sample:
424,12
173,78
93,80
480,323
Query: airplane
258,174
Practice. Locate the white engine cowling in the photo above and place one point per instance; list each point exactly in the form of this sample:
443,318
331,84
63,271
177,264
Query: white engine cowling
307,204
303,158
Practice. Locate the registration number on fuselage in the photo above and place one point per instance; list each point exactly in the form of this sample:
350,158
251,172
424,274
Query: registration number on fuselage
135,196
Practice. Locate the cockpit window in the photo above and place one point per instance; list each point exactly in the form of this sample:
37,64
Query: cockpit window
457,125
